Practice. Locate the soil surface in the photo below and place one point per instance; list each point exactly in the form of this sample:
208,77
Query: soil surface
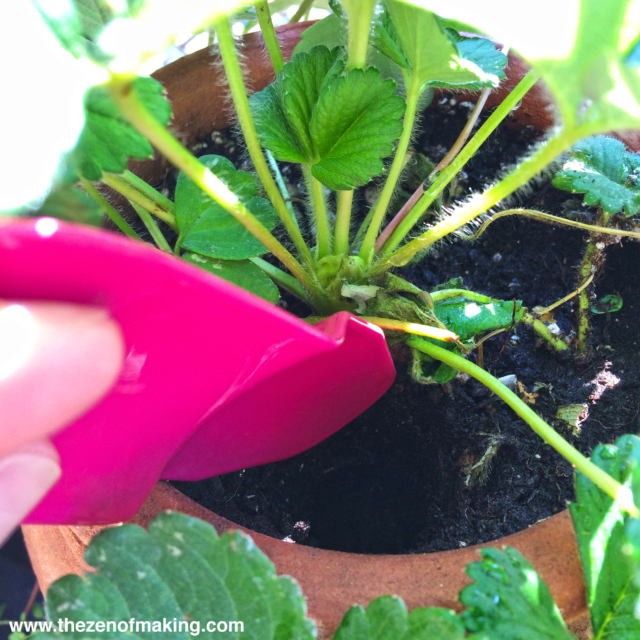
396,479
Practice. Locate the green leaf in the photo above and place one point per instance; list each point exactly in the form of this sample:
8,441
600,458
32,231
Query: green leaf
107,140
483,53
217,234
304,80
509,601
354,125
385,39
208,229
633,534
330,32
582,57
607,304
604,171
341,125
242,273
427,370
468,319
277,132
609,571
78,24
180,569
192,202
386,618
433,58
64,22
94,15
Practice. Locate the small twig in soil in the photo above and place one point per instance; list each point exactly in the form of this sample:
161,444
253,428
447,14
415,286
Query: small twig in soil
584,285
564,282
625,424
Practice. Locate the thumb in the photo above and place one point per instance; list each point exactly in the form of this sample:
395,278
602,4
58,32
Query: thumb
56,361
25,477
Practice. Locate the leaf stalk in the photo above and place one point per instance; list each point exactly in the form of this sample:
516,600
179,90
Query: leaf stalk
601,479
152,228
241,102
132,194
343,222
489,126
108,210
123,94
367,251
269,34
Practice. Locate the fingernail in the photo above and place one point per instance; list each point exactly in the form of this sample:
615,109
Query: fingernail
25,478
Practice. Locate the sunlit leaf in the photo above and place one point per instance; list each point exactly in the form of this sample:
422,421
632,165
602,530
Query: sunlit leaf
584,53
207,228
107,139
612,592
468,319
433,58
605,172
341,125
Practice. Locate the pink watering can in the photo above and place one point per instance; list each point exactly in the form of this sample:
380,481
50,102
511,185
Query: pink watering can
215,379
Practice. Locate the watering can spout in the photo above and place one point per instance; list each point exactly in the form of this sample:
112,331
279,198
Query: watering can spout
215,379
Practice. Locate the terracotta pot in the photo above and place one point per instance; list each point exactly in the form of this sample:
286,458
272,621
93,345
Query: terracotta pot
332,581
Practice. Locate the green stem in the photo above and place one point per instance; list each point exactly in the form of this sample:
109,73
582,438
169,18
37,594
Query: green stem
447,294
367,250
304,7
148,190
476,205
314,188
543,331
586,268
367,220
108,210
359,25
548,218
436,188
269,35
124,96
283,279
360,15
282,186
133,195
241,103
152,228
601,479
343,223
466,131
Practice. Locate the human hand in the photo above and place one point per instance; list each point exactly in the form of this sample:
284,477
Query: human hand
56,361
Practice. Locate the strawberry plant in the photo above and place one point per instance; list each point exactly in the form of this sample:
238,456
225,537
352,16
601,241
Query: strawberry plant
346,103
607,174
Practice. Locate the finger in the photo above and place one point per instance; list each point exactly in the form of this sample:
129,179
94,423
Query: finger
25,477
56,361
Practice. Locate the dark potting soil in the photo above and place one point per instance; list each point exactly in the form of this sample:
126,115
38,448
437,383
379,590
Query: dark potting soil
397,479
